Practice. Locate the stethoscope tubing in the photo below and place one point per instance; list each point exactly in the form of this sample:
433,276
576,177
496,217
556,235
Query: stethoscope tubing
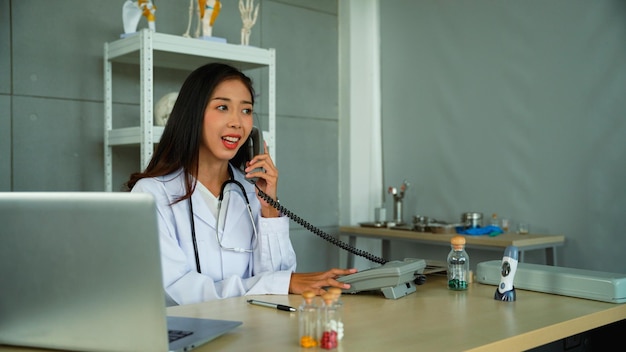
220,199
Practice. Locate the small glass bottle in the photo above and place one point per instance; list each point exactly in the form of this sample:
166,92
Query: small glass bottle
494,220
458,265
328,314
308,320
336,292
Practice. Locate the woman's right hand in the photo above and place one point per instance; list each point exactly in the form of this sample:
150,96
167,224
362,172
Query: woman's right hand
316,282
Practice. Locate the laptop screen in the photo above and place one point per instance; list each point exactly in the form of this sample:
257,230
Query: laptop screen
81,271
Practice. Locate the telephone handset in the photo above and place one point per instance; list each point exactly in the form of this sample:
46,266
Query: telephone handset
251,147
254,143
255,147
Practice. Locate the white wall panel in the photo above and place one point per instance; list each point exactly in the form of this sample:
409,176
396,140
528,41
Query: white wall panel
5,143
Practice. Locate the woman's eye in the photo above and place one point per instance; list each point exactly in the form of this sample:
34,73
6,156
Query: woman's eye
247,111
222,108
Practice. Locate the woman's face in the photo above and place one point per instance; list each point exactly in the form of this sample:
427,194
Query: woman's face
227,122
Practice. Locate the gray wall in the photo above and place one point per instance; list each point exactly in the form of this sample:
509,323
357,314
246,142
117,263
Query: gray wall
510,107
51,99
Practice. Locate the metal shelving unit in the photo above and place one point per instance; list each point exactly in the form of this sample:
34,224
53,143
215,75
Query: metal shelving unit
152,49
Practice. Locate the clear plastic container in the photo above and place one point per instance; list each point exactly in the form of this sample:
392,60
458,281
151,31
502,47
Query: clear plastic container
494,220
329,323
458,265
336,292
308,320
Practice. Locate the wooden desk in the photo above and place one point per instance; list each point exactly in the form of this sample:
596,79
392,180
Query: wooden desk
522,242
424,320
431,319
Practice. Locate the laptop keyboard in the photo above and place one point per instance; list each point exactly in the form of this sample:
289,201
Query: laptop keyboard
178,334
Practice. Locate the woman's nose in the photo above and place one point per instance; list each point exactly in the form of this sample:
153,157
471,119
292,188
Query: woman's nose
235,120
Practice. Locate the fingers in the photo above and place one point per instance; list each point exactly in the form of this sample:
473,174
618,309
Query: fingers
336,273
263,168
338,284
343,285
263,161
316,282
340,272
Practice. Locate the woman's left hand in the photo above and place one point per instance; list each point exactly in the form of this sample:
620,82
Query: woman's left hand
317,281
267,179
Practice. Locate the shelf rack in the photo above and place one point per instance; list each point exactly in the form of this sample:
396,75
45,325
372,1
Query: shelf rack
151,49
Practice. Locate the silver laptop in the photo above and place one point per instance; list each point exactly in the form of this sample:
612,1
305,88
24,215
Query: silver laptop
81,271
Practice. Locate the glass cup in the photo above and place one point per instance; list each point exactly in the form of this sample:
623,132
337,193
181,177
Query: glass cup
504,224
380,215
523,228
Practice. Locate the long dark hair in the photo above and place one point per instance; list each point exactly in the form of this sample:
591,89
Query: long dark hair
182,135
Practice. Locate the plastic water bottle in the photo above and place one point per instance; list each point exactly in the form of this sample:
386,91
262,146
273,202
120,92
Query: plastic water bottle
458,265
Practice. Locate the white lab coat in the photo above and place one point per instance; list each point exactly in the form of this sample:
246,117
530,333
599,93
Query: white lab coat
223,273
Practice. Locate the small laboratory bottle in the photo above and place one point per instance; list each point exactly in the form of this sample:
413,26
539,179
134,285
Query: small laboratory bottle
336,292
328,314
308,320
494,220
458,265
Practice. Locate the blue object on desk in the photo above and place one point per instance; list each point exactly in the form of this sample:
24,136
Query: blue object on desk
478,231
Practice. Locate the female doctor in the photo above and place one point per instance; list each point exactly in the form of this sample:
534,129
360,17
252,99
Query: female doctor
218,238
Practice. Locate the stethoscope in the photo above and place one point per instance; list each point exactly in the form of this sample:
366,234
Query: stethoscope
219,206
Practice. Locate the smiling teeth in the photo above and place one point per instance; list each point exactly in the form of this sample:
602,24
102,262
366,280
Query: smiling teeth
231,139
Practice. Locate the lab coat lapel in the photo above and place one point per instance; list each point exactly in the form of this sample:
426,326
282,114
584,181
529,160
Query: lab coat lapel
237,209
237,206
201,210
176,188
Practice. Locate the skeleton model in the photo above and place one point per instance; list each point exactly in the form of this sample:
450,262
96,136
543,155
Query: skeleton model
132,12
248,19
208,10
163,108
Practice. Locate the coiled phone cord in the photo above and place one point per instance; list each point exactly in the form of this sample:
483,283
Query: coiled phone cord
319,232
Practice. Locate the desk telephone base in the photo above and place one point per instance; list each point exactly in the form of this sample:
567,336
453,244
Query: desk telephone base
395,278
